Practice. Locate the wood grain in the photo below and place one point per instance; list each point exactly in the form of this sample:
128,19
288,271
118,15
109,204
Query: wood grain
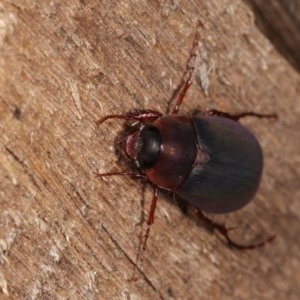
279,20
65,234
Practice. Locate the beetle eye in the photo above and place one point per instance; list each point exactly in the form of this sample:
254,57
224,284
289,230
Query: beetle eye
149,147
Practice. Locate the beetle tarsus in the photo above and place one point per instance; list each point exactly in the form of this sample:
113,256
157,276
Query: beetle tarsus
251,246
225,232
99,122
236,117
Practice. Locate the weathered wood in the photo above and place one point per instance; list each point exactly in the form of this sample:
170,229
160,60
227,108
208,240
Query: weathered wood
64,234
280,21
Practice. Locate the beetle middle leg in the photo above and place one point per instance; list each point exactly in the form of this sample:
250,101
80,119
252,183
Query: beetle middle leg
225,232
236,117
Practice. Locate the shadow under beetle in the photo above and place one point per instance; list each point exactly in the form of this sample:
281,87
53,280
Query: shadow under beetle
210,161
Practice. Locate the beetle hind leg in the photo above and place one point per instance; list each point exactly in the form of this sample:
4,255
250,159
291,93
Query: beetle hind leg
224,231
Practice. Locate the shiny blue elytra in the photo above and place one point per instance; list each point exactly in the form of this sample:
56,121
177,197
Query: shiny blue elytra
230,176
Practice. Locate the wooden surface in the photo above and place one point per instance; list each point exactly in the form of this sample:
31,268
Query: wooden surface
280,21
65,234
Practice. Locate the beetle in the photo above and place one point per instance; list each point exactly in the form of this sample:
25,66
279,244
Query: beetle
210,161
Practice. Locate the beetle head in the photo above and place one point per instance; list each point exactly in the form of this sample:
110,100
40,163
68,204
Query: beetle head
143,146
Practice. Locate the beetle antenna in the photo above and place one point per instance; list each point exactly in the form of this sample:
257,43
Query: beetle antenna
225,232
187,77
144,239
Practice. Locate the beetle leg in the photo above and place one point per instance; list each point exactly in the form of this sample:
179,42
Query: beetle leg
236,117
182,93
132,174
143,241
189,72
138,115
144,115
225,232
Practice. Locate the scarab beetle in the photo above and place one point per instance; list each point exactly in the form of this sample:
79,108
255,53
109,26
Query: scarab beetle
211,161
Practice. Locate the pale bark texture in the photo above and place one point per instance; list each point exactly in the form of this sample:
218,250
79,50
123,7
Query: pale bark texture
65,234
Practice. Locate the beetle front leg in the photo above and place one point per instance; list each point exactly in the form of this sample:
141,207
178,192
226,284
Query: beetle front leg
138,115
225,232
122,173
144,239
236,117
144,115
